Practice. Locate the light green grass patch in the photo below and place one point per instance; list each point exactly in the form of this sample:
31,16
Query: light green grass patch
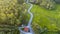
47,18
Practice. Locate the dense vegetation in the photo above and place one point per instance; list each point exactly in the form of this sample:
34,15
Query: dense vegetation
12,12
49,4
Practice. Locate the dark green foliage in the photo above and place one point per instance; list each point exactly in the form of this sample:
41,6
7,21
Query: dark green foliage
49,4
57,1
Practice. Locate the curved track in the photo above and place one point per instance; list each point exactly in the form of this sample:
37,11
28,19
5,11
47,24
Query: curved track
30,21
31,14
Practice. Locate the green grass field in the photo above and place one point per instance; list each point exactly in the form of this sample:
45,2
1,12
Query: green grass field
47,18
